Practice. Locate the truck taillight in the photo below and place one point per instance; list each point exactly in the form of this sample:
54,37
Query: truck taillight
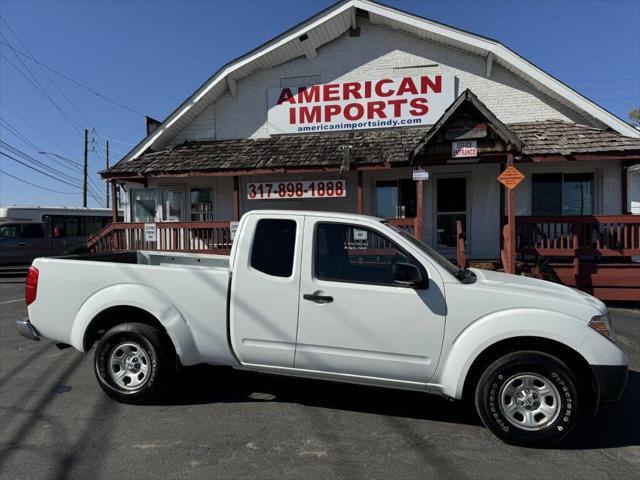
31,287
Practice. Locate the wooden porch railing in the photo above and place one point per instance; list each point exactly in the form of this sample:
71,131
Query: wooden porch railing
407,224
209,237
595,247
597,235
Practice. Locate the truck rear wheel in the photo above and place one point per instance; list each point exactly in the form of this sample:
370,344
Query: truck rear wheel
132,362
528,398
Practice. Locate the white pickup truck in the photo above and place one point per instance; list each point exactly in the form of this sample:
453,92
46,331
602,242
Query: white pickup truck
337,297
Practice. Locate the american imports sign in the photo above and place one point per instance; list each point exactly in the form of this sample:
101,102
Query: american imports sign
383,103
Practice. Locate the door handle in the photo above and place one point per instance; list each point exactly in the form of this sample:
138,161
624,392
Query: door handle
22,244
318,298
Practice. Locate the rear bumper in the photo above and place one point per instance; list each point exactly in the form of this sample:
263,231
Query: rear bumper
612,380
26,329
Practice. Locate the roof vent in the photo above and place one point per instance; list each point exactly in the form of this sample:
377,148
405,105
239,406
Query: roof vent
303,37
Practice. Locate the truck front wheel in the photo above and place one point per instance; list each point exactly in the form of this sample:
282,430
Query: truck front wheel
528,398
132,362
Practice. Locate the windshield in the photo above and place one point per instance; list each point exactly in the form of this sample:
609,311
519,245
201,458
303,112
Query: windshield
437,257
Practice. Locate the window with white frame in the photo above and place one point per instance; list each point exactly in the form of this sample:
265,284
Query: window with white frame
143,205
201,205
172,205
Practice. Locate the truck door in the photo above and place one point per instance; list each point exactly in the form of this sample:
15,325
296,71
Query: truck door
265,290
353,318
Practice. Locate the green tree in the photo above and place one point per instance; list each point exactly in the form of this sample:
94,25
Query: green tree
634,116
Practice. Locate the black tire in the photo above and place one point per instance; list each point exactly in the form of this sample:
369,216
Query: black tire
146,350
511,374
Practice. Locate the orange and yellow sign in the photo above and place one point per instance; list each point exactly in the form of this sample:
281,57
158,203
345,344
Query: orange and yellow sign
511,177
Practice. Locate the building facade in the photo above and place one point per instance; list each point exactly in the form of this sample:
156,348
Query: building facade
364,108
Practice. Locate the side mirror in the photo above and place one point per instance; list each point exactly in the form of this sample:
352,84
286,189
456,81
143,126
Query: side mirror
408,275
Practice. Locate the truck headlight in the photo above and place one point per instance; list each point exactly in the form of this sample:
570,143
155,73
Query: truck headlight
602,325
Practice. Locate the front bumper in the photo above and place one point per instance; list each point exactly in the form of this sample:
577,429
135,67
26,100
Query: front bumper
612,380
26,329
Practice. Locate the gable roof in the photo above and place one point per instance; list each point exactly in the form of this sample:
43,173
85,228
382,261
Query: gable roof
332,22
468,98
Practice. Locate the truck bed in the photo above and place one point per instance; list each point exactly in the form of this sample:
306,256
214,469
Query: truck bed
144,257
187,290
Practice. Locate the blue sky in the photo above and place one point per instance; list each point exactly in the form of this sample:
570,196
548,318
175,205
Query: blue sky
149,56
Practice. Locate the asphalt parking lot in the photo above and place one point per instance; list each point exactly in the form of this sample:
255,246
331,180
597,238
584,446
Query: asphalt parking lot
56,423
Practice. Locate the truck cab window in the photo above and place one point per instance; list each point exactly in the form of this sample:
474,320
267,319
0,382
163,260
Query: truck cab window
274,246
349,253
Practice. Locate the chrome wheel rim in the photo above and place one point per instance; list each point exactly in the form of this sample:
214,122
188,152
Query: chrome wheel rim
129,365
530,401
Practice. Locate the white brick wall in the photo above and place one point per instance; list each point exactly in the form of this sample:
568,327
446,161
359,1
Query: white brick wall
378,52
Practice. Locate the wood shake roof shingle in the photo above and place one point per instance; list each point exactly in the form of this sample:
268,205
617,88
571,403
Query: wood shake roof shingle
369,147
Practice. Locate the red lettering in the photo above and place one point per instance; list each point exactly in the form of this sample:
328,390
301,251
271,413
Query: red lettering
419,107
286,96
397,106
426,83
330,111
310,114
379,85
376,108
331,92
292,116
351,89
309,94
407,86
367,89
353,116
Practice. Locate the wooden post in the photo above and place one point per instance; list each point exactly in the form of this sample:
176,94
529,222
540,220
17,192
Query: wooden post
114,202
360,195
85,171
417,226
107,168
460,254
624,187
511,222
236,199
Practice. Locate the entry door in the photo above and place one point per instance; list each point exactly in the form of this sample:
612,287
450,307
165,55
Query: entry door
451,206
265,287
353,320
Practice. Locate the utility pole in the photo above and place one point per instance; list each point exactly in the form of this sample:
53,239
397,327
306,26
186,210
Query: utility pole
107,183
86,166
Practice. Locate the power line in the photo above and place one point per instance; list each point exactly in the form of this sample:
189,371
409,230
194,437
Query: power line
66,77
8,126
39,87
37,186
29,158
39,171
36,129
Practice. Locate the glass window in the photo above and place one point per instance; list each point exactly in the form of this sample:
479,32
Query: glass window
274,246
577,194
546,194
348,253
32,230
451,205
396,199
9,231
562,194
143,205
172,204
201,205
